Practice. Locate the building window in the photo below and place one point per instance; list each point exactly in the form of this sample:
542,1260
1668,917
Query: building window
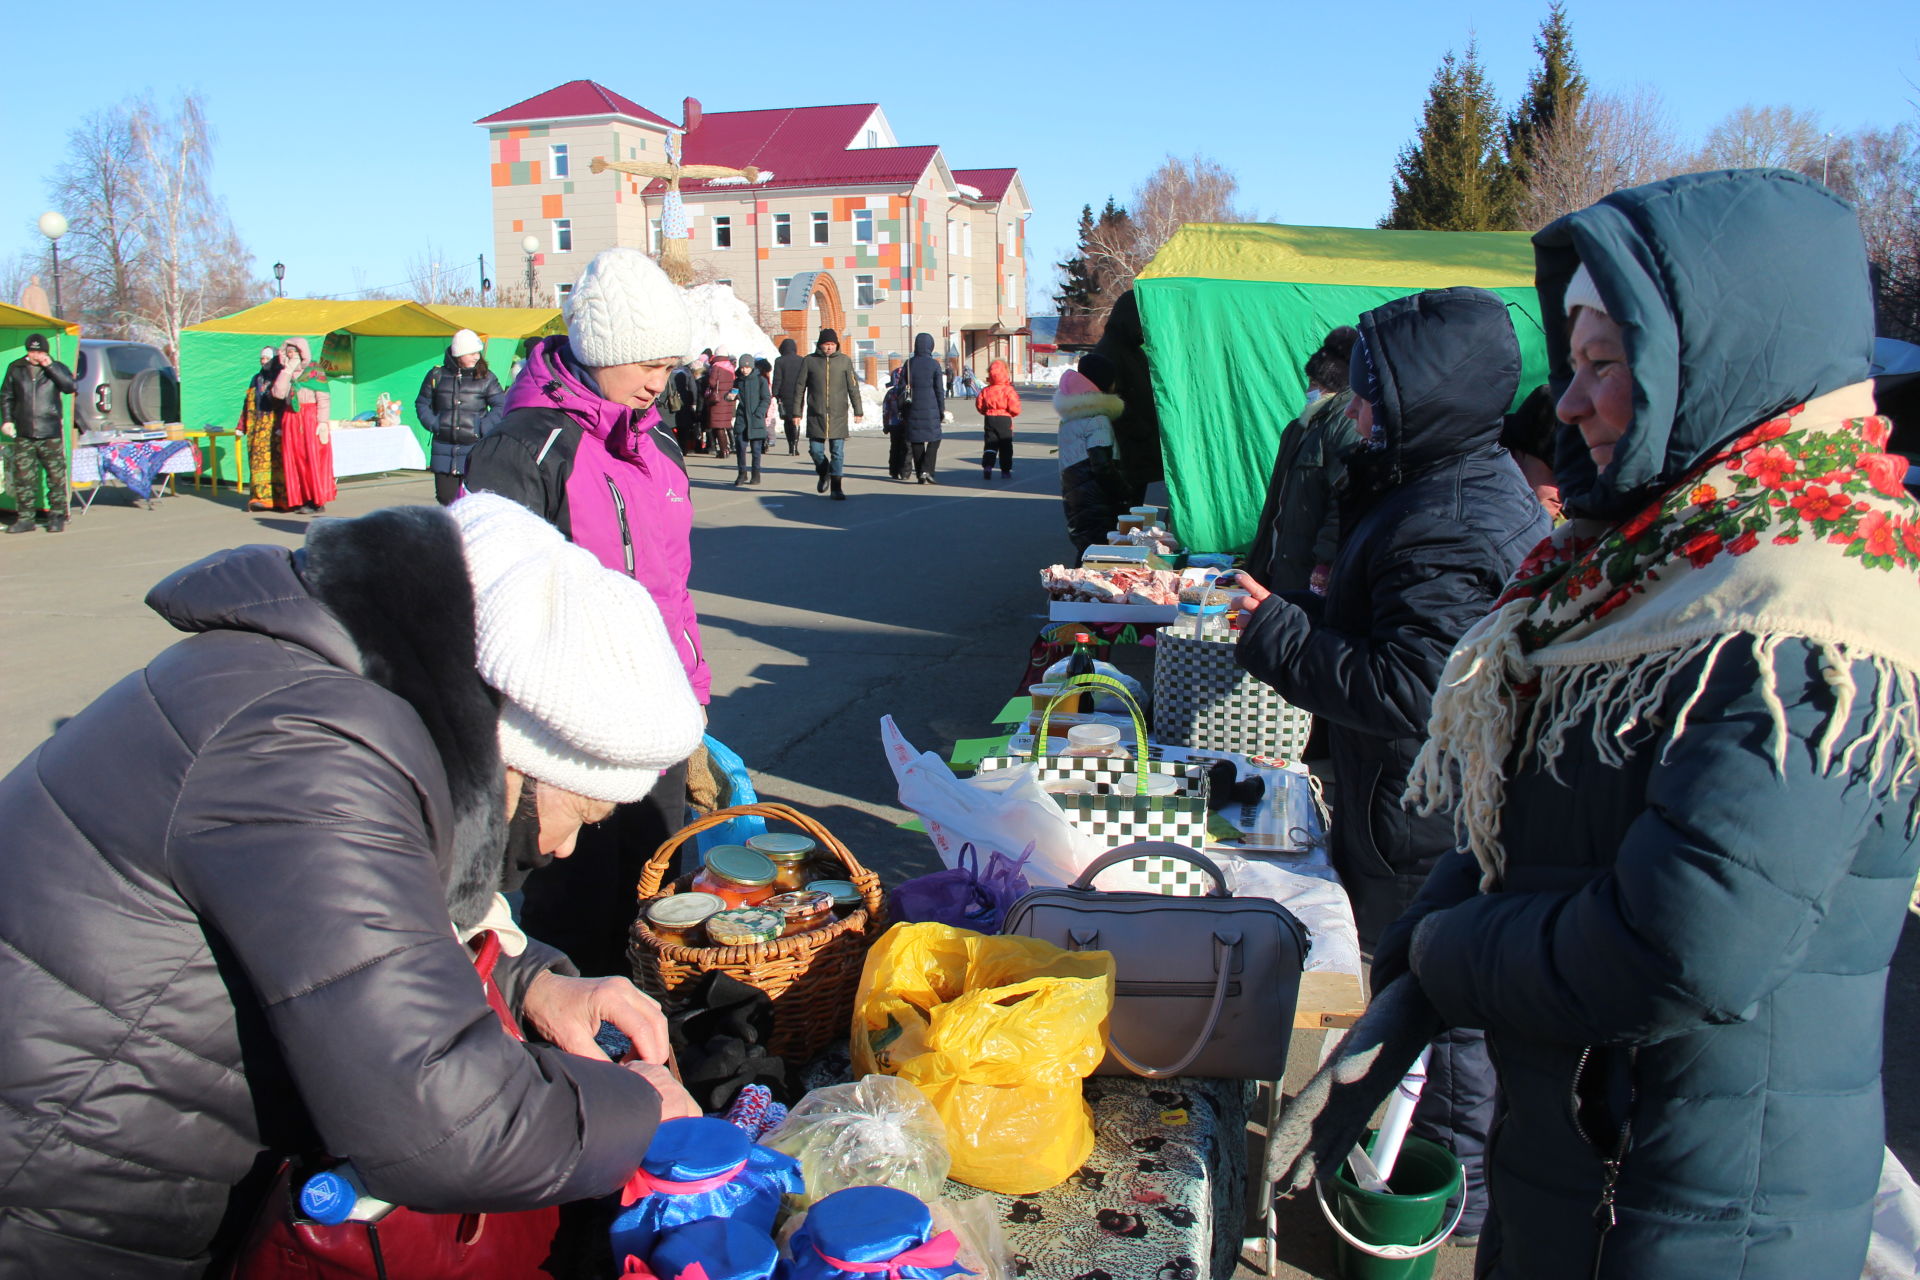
865,349
953,292
873,137
966,293
953,236
561,292
863,291
783,228
727,283
557,159
653,235
722,231
819,228
863,226
966,239
563,235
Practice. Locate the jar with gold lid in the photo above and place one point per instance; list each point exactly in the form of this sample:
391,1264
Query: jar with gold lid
680,920
737,875
791,855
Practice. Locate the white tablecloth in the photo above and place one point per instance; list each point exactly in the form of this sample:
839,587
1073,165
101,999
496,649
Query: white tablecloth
364,451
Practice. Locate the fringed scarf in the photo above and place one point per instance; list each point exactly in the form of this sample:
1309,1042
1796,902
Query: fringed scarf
1800,529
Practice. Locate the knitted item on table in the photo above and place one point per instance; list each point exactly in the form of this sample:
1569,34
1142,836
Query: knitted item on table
755,1113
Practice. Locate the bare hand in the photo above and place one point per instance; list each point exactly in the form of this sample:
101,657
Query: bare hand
569,1011
1255,593
675,1102
40,358
6,429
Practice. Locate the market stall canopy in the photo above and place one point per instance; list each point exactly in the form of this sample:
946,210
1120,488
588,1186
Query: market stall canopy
12,317
303,317
506,330
1233,310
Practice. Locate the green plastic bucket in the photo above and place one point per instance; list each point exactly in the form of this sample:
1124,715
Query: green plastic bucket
1393,1235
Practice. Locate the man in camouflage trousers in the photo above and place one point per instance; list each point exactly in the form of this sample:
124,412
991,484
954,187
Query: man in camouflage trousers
32,417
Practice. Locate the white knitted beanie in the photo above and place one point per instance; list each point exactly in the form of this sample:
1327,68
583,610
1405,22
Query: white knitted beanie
597,702
465,343
1583,292
624,310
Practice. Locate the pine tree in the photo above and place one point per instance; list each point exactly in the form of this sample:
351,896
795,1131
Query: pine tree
1451,177
1077,274
1097,273
1555,91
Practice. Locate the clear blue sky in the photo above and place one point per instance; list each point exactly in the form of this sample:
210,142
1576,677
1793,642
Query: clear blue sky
345,144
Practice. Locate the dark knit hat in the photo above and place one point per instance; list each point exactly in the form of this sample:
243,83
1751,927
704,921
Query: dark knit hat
36,342
1098,370
827,335
1327,367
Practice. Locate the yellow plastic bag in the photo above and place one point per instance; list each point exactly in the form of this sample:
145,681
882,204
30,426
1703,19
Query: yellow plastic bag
998,1033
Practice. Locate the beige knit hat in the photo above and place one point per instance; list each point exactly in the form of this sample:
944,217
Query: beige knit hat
596,699
624,310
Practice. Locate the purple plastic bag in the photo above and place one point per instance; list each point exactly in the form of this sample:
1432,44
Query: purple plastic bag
962,896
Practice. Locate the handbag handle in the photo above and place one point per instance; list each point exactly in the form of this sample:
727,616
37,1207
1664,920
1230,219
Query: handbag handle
1153,849
1224,941
1090,683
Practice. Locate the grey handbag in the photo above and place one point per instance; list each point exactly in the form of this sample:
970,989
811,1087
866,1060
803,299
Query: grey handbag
1205,986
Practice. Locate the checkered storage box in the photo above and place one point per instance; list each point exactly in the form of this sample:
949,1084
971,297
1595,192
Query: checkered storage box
1202,700
1118,813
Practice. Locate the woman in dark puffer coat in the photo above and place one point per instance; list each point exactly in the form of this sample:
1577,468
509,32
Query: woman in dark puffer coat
926,394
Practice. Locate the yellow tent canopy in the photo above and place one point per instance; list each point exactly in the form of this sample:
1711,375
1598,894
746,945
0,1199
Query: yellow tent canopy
503,322
12,317
283,317
1403,260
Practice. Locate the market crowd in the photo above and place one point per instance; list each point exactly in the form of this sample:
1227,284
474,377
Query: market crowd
1623,727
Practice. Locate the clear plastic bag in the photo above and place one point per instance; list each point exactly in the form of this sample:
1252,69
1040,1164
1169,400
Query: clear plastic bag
878,1130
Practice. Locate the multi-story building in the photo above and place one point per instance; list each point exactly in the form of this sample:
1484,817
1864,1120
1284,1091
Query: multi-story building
841,221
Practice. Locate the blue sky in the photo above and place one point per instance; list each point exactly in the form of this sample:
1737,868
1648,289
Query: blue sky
345,145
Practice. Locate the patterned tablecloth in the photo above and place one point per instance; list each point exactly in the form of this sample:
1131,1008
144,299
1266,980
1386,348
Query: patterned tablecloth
133,462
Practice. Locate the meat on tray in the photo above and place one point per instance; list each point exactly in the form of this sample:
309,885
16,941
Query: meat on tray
1124,584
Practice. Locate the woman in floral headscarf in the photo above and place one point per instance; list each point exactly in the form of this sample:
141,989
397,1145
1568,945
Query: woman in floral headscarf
1682,751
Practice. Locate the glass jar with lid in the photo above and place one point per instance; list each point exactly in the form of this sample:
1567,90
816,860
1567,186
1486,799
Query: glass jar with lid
745,927
804,909
737,875
680,919
791,855
846,897
1095,742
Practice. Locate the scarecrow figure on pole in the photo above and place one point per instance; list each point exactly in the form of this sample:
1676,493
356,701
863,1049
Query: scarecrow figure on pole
673,216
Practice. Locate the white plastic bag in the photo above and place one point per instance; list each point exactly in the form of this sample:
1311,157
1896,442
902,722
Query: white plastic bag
879,1130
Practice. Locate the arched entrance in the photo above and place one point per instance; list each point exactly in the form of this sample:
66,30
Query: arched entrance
810,288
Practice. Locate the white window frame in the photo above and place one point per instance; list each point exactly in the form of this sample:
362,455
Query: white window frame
863,292
561,292
653,235
953,291
780,286
722,228
559,165
783,229
862,348
863,217
821,224
561,227
966,293
727,282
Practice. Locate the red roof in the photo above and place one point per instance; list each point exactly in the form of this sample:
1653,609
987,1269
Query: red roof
992,184
574,99
801,147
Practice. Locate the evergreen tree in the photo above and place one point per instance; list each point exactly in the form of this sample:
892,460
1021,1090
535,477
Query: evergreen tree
1098,271
1554,94
1077,274
1452,176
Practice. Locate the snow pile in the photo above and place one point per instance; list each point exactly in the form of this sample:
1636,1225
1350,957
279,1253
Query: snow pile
1044,376
867,423
721,321
766,175
972,193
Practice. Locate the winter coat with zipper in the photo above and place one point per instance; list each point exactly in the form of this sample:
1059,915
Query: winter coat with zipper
720,378
458,406
1698,934
1299,527
787,370
926,393
30,398
1136,432
235,934
608,477
1091,487
750,410
1437,517
998,399
828,388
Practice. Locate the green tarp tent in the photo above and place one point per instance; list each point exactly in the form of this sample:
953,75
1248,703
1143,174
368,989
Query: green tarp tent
64,339
505,330
366,347
1233,310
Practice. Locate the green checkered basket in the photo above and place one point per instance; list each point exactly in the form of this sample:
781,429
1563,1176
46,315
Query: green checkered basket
1123,812
1202,699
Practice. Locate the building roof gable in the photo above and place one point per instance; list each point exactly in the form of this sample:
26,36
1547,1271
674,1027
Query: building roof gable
573,100
992,184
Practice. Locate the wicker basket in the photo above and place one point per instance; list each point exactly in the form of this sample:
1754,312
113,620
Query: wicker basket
810,976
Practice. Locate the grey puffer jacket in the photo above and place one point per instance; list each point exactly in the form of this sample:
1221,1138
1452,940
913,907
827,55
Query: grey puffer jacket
235,933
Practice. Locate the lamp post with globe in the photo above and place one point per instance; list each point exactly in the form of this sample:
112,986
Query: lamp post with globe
530,246
53,226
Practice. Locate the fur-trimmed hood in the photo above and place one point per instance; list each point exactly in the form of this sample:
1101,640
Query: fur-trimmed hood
1087,404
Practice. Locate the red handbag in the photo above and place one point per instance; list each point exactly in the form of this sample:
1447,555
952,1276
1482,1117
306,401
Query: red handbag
403,1244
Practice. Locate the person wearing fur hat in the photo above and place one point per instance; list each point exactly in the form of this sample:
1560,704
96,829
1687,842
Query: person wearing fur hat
1298,534
460,400
830,395
1090,485
583,446
280,930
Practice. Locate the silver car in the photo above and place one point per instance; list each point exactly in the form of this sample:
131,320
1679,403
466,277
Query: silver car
120,384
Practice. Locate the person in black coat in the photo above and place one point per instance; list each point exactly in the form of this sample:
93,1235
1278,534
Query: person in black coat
786,389
926,408
1437,518
460,400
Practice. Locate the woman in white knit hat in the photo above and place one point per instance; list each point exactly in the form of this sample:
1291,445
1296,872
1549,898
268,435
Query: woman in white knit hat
583,446
460,400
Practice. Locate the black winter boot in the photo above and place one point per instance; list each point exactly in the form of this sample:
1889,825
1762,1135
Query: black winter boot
839,494
821,468
756,474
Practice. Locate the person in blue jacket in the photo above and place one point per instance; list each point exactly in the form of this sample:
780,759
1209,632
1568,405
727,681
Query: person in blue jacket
1683,750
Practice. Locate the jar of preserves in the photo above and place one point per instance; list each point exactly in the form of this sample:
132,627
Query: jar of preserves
1095,742
680,920
745,927
791,856
737,875
804,910
846,898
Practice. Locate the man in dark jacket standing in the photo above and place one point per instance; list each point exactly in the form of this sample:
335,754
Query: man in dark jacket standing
1299,531
786,389
926,395
829,387
31,416
1437,518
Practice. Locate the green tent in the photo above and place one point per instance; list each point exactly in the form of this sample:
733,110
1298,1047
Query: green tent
506,330
64,339
366,347
1233,310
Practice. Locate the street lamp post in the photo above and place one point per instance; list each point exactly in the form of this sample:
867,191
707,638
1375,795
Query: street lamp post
53,226
530,246
280,279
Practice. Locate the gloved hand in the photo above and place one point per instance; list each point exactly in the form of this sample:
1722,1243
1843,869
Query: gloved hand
1321,1125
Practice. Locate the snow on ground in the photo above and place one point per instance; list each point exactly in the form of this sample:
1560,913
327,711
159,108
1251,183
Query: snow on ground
721,321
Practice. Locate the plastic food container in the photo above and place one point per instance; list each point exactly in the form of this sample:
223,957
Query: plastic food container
1149,516
1095,742
737,875
1044,694
791,856
1161,784
807,909
1132,522
846,898
681,919
745,927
